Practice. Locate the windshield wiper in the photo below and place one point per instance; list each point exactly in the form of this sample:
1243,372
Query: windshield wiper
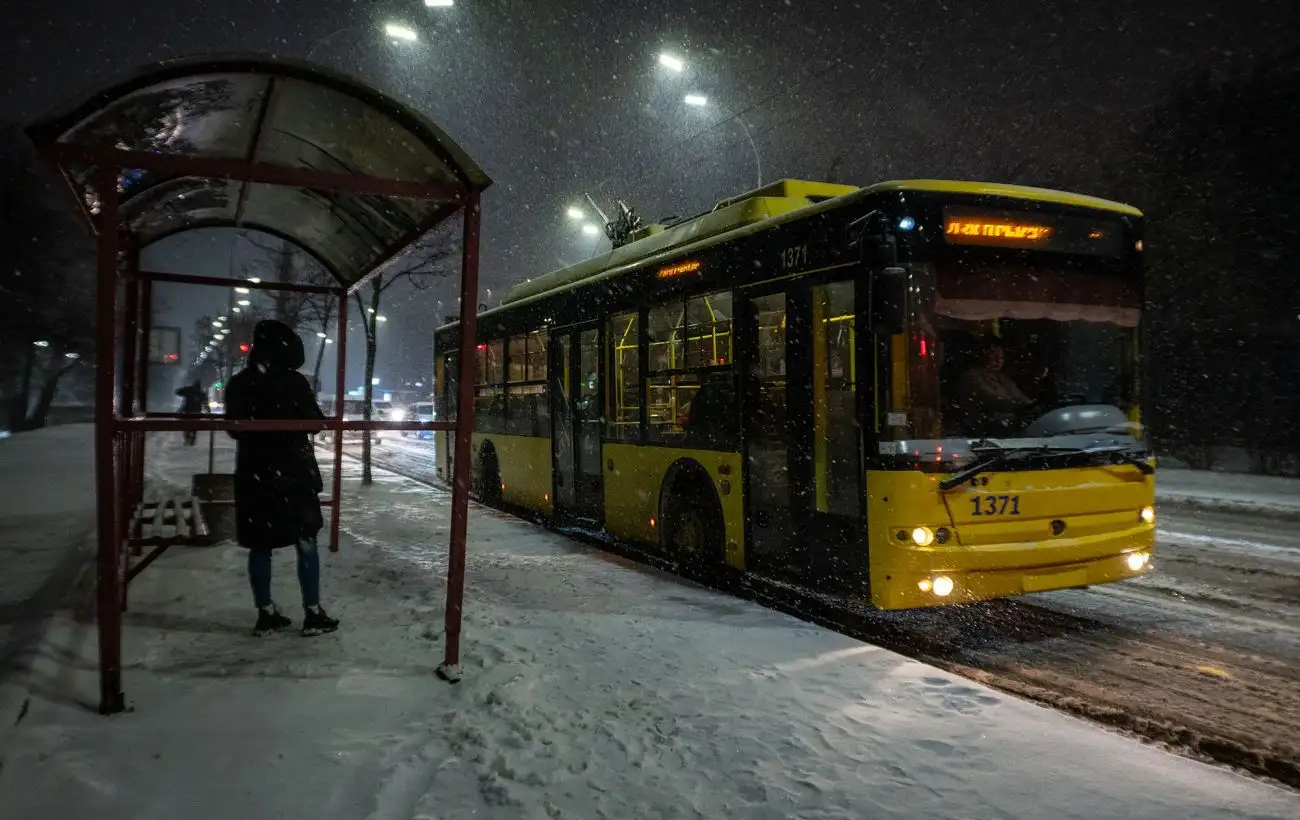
1000,455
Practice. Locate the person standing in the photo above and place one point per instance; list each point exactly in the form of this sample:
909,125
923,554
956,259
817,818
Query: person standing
194,400
277,479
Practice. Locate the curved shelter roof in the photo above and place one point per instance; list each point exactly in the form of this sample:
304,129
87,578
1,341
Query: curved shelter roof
347,174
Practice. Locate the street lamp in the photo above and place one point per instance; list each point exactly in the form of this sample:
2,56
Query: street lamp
439,4
241,290
671,63
321,335
574,213
41,344
381,318
244,303
401,32
393,30
590,229
700,101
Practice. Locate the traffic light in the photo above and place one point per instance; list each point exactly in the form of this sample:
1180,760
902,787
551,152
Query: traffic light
243,347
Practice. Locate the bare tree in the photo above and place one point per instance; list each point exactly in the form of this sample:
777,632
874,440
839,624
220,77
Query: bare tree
312,312
46,287
424,264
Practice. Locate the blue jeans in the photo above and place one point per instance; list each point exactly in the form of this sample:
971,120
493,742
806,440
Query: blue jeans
259,574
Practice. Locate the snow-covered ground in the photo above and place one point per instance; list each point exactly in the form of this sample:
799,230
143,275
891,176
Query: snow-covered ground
594,688
47,503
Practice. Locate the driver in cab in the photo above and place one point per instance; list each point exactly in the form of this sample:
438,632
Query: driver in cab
985,392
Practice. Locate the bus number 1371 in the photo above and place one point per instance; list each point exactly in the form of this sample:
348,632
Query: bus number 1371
794,257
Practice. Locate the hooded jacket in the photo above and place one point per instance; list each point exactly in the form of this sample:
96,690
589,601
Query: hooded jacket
277,479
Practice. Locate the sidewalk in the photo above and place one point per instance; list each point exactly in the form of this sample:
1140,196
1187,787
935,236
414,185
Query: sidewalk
594,688
1229,492
47,503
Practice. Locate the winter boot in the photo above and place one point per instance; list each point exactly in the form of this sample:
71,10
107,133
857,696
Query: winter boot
316,622
269,619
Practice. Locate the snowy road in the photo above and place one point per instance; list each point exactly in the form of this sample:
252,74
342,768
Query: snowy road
1202,655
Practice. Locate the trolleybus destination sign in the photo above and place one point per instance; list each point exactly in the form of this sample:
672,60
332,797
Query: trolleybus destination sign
1014,229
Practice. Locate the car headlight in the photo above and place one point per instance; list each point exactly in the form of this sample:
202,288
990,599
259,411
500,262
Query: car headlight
397,415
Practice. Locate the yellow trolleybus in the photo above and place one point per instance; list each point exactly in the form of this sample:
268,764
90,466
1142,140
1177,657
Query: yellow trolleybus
921,392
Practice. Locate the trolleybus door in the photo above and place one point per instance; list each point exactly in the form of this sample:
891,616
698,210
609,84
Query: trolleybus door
802,438
576,423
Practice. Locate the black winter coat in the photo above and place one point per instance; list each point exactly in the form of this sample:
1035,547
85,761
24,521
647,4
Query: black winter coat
277,479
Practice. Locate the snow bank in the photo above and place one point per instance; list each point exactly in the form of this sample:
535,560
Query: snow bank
1229,492
594,688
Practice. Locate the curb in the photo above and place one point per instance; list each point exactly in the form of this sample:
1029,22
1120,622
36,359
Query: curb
1197,504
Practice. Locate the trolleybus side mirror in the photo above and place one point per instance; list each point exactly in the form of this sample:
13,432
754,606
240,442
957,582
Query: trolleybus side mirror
889,301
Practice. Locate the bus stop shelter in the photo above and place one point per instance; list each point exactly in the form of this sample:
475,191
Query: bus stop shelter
313,157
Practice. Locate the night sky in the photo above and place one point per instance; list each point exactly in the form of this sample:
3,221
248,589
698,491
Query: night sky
559,97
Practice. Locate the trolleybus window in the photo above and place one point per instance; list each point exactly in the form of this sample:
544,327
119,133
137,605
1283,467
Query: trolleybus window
624,418
489,392
1020,356
690,392
527,404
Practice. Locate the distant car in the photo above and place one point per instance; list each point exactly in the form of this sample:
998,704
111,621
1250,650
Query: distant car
420,411
353,410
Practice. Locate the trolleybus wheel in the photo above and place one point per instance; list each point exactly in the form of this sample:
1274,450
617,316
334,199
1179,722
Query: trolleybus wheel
694,534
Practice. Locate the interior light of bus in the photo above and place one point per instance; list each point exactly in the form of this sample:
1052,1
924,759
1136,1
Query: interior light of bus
680,269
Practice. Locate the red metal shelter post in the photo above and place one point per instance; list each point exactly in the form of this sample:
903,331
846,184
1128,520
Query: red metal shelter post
340,374
450,669
108,603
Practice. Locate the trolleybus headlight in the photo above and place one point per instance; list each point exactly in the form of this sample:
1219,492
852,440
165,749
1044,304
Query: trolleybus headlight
943,586
1147,515
922,536
1137,560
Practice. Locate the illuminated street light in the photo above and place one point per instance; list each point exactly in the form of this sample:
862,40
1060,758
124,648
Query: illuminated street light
41,344
670,62
374,381
575,213
244,303
329,341
241,290
381,318
236,310
439,4
696,100
321,335
73,356
216,323
590,229
400,32
255,280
